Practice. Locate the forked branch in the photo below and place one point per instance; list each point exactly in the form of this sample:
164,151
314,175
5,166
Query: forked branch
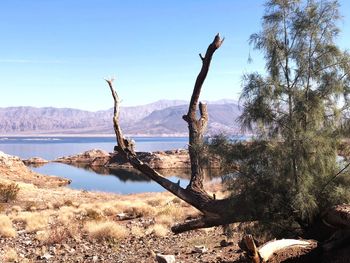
197,127
215,212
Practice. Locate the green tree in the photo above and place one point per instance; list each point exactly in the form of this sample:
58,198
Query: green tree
290,172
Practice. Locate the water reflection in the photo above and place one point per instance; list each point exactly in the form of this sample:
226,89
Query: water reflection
123,174
35,165
124,181
133,175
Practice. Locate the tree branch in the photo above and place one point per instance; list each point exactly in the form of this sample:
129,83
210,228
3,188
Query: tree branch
197,127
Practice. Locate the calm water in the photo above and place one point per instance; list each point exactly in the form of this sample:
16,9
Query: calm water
123,181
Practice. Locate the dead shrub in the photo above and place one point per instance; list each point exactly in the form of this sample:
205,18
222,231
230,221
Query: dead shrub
8,192
56,235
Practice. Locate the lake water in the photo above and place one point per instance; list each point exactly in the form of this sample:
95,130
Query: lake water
122,181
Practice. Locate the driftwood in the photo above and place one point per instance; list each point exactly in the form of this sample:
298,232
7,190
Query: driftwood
335,248
272,248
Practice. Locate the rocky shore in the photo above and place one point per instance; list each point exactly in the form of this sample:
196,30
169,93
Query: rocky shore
173,159
13,168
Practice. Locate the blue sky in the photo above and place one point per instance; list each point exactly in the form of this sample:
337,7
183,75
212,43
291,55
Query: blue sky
57,52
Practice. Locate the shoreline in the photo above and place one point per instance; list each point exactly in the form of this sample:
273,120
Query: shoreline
88,135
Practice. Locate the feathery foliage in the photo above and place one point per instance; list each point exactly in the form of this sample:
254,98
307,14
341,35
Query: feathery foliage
296,110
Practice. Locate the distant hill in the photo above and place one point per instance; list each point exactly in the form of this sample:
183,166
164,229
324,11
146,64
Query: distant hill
161,118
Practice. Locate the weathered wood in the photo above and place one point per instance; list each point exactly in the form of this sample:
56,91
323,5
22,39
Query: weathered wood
272,248
252,251
338,216
215,211
196,126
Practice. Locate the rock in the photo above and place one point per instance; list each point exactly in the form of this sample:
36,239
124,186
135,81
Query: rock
92,157
225,243
10,162
173,159
165,258
122,216
157,160
13,168
46,256
35,160
200,249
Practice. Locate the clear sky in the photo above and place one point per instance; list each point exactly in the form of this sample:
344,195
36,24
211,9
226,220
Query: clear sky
57,52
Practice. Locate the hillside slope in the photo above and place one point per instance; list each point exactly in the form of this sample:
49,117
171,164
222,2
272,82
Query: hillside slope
159,118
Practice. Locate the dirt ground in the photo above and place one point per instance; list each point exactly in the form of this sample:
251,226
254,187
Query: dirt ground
48,222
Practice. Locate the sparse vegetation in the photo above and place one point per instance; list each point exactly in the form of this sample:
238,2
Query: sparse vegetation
57,234
6,228
137,231
10,255
33,221
105,230
8,192
158,230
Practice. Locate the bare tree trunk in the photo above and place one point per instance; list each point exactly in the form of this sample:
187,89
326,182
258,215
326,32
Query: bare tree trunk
197,127
215,212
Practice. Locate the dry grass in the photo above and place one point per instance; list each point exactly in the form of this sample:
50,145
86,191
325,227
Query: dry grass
158,201
173,211
137,231
34,221
6,228
66,215
105,230
200,241
56,235
167,220
158,230
10,255
136,208
43,236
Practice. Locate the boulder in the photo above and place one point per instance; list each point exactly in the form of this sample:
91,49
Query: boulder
93,157
35,160
165,258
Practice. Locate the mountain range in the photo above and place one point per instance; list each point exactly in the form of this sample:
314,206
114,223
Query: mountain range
161,118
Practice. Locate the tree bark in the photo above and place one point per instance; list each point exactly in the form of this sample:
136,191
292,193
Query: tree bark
196,126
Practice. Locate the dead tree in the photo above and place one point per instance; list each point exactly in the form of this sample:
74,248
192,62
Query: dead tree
214,212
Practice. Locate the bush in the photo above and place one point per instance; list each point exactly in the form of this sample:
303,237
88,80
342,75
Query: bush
108,230
8,192
264,182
